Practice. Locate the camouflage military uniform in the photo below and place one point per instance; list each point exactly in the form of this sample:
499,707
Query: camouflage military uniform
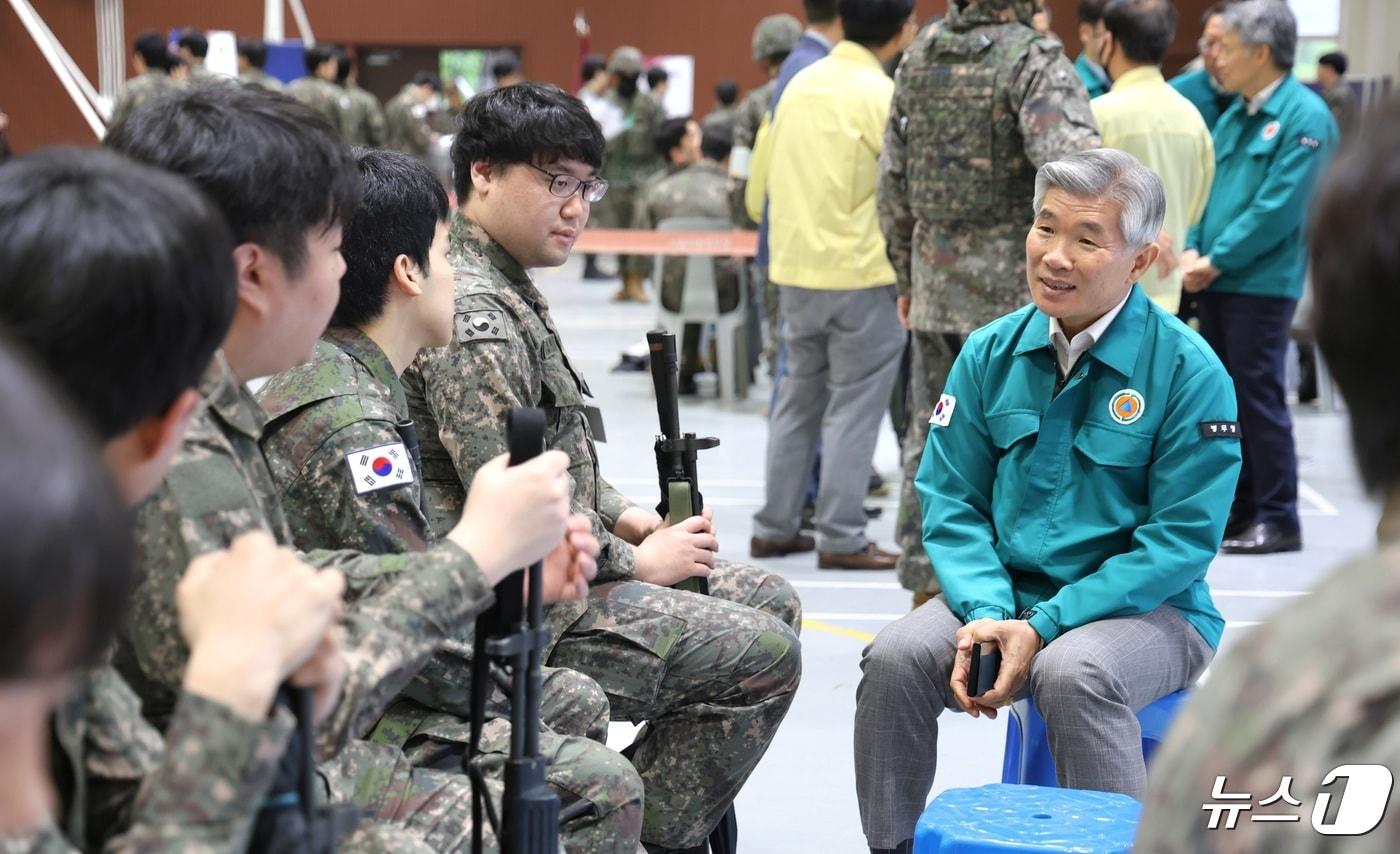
322,96
346,400
139,90
405,607
363,119
406,124
712,678
701,190
720,120
258,77
981,101
1297,697
629,160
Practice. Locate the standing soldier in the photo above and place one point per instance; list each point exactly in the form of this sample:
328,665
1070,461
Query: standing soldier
151,59
406,116
317,89
631,159
193,47
363,122
981,101
252,56
773,40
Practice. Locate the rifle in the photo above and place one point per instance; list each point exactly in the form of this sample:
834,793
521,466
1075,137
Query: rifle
512,632
675,453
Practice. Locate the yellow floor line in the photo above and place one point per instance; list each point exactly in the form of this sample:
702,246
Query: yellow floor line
828,628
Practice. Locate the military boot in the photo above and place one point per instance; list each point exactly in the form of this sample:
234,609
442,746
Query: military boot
632,289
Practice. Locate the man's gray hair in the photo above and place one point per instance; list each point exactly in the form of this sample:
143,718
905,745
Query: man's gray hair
1266,22
1107,173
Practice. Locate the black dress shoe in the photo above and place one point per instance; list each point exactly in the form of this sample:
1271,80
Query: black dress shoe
1263,538
1236,525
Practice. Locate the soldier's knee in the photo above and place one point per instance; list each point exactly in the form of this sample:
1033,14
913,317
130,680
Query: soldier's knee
775,662
576,705
603,796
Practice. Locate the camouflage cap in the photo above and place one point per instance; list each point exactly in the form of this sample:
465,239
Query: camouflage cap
626,60
775,35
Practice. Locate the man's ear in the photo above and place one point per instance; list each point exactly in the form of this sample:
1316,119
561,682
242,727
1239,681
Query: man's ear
483,174
1143,261
257,270
406,277
158,435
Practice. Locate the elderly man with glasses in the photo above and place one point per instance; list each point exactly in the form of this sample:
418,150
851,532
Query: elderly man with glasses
1074,487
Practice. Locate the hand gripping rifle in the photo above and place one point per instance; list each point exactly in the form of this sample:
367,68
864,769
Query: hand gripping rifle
512,632
675,453
675,469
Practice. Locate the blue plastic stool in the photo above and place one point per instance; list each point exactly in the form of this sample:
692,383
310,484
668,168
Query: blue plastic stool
1003,818
1027,758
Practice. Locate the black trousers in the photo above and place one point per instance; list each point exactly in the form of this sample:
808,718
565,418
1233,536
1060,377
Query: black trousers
1250,335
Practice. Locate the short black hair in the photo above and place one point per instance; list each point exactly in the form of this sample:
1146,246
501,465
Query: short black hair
67,564
1335,60
401,204
253,50
342,66
275,167
428,78
668,135
153,49
316,55
872,23
195,42
593,65
504,67
1355,267
1091,11
117,275
820,11
529,123
656,75
1142,29
716,143
727,91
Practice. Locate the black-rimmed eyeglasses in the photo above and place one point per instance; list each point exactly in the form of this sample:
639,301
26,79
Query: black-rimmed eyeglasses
564,185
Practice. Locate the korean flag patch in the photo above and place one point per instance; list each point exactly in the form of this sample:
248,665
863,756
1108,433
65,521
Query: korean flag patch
943,412
373,469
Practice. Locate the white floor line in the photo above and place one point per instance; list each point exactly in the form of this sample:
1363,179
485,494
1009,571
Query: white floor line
848,585
1315,498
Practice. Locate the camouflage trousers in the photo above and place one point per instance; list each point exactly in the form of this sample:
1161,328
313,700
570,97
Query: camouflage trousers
711,677
930,360
618,210
772,330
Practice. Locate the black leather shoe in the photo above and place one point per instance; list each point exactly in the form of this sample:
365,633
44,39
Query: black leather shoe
759,547
1236,525
1263,538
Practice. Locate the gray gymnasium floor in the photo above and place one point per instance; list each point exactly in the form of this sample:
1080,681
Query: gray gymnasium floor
802,796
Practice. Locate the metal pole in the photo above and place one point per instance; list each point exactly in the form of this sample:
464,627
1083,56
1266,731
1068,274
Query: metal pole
55,55
111,49
274,24
303,25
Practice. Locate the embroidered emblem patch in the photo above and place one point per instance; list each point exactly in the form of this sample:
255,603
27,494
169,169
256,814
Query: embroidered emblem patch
1126,406
482,325
1270,131
373,469
943,411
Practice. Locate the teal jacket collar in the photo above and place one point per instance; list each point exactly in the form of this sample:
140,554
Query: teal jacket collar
1117,349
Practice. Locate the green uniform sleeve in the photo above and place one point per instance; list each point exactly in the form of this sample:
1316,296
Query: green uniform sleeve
1191,484
1280,203
1051,105
892,193
955,482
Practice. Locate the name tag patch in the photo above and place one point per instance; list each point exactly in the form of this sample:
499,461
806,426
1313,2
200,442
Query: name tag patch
373,469
1220,429
943,411
1310,142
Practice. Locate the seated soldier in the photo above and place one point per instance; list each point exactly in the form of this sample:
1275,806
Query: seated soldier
100,258
347,402
713,677
698,187
285,182
1076,478
1313,689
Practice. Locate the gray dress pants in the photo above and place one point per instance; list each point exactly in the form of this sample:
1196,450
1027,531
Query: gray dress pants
843,351
1088,685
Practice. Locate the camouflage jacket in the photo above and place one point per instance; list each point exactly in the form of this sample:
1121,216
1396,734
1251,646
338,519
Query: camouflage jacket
630,157
258,77
322,96
1296,698
720,120
701,190
124,788
750,114
363,120
406,124
981,101
506,352
138,90
219,486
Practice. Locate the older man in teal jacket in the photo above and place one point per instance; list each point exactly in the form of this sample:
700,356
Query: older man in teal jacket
1245,257
1075,483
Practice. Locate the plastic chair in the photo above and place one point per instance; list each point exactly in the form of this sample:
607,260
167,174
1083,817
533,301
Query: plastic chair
700,304
1004,818
1027,758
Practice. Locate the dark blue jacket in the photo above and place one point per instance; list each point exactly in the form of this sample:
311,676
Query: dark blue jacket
808,50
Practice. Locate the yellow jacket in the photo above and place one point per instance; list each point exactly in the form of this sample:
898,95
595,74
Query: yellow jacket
817,165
